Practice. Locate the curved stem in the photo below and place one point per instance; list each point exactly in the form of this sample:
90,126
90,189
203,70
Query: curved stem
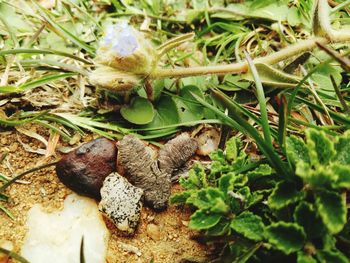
241,67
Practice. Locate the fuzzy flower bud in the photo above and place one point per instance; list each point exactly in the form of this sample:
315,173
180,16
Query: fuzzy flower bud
126,49
113,79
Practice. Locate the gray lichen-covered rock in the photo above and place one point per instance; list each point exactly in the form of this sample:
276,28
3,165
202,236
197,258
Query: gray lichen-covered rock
143,172
121,202
176,152
84,169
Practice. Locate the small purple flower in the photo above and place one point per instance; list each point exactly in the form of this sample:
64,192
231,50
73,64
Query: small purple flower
121,38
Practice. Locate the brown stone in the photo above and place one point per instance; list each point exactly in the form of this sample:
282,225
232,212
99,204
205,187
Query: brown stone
84,169
153,232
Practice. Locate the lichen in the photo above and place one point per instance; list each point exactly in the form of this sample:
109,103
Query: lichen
121,202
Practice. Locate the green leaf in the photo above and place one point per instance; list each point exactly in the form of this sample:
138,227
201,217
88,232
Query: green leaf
201,220
180,198
343,175
284,194
331,257
231,149
297,150
261,171
306,216
188,107
196,180
166,114
226,182
287,237
273,77
321,148
221,228
211,199
331,206
305,258
140,111
342,147
321,175
249,225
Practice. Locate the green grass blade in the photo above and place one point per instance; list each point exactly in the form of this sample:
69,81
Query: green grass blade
262,101
62,31
282,123
42,51
7,212
35,83
13,255
44,80
18,177
12,122
237,122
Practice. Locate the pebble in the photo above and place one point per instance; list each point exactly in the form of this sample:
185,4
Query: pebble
121,202
84,169
153,232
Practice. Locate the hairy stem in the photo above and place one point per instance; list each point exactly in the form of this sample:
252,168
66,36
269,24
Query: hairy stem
241,67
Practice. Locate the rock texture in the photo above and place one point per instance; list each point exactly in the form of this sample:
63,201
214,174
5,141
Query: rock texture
85,169
143,172
56,237
176,152
121,202
151,174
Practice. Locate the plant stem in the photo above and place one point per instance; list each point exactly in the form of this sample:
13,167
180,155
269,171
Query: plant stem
241,67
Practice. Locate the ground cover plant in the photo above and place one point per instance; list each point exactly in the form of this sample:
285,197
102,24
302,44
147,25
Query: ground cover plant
273,76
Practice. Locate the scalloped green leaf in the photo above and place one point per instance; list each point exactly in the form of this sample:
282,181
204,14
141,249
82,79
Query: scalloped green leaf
201,220
342,147
248,225
305,258
320,176
297,150
321,148
331,256
209,198
284,194
331,207
343,175
306,216
287,237
140,111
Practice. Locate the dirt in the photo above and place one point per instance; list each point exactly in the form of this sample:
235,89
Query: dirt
161,237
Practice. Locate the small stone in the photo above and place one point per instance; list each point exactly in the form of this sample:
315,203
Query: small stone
3,141
208,141
121,202
84,169
153,232
13,147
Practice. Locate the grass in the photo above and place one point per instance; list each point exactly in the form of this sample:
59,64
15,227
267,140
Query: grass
48,54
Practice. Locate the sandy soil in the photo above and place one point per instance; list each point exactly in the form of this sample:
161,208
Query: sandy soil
171,244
